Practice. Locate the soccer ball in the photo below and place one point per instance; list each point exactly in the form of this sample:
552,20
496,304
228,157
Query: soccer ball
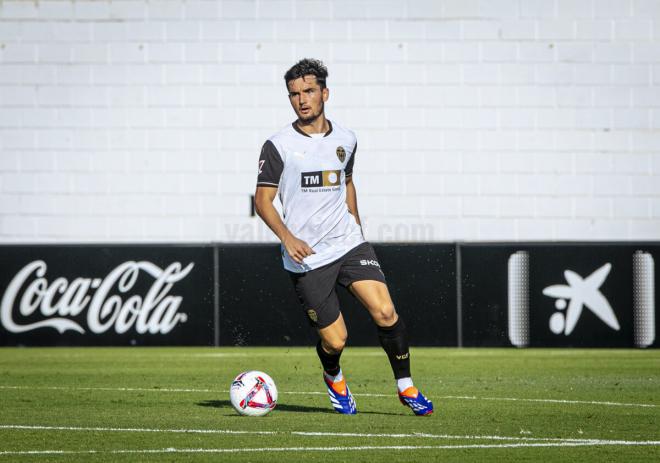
253,393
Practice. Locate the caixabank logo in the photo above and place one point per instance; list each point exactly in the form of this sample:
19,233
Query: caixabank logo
582,298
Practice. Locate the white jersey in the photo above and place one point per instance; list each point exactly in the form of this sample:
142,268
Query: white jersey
310,173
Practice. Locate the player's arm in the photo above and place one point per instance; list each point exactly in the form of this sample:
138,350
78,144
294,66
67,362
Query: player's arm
351,195
351,199
263,205
271,167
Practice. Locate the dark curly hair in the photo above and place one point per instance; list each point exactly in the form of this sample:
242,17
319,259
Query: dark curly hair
305,67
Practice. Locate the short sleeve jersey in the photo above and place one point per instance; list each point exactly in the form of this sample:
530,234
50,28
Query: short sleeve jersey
310,173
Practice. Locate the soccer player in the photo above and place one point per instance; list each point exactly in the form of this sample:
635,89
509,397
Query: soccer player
310,162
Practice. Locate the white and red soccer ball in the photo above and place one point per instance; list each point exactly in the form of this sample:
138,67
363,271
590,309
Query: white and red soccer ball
253,393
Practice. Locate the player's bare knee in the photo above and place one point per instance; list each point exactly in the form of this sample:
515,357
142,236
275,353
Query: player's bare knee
386,315
336,345
336,348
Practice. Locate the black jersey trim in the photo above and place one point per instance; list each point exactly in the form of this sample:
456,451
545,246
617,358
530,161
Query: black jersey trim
294,124
351,161
269,185
270,165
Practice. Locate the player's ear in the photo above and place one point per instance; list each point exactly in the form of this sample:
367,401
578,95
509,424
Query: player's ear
326,93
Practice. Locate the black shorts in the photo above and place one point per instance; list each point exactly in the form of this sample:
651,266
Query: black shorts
316,288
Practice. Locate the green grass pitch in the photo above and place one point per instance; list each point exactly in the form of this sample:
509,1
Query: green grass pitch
172,404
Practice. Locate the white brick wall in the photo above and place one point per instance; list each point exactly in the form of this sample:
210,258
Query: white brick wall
135,120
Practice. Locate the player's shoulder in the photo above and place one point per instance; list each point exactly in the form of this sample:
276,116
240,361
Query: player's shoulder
282,134
278,141
341,131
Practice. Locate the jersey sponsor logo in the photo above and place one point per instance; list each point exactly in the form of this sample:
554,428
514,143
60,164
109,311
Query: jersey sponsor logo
321,178
373,263
261,165
341,153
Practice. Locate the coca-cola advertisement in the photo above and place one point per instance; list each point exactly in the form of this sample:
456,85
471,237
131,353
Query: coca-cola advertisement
106,295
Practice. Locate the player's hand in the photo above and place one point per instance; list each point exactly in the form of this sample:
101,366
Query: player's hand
297,249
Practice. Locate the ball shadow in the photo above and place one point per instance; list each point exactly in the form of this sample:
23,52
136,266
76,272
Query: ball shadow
280,406
287,408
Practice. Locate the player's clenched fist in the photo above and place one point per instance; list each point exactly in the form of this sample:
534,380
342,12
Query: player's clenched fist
297,249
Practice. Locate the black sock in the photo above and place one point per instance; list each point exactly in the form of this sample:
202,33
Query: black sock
394,340
330,362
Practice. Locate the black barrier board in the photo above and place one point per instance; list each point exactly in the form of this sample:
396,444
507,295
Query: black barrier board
510,294
94,295
421,280
559,295
258,305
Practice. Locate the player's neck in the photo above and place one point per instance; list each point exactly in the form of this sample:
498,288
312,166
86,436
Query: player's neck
318,125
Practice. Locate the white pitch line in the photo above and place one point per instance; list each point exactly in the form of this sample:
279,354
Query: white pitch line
326,449
297,433
437,436
364,394
139,389
557,401
327,434
112,389
310,354
148,430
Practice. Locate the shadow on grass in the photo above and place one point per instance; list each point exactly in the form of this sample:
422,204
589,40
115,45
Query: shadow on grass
285,407
280,406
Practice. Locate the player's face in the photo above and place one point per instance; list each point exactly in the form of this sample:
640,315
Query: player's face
307,97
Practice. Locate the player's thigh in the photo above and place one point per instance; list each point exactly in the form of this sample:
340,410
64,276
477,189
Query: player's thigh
375,297
317,295
361,274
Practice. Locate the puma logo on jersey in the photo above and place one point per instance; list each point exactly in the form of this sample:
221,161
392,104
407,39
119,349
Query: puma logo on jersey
373,263
403,356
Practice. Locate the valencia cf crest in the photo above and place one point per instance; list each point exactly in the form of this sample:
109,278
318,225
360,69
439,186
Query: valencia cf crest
311,313
341,153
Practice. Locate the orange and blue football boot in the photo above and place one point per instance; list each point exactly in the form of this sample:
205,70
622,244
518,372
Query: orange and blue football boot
414,399
340,397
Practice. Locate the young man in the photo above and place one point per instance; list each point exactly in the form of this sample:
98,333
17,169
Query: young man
310,162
